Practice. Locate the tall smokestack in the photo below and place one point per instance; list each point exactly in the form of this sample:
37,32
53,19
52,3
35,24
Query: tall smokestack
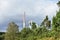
24,20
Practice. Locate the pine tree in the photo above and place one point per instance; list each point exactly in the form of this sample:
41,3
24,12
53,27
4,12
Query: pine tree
12,31
46,22
34,25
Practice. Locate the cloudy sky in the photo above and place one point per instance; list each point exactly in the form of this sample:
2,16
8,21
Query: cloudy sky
36,10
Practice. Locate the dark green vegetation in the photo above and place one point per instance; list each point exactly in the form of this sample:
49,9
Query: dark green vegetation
2,35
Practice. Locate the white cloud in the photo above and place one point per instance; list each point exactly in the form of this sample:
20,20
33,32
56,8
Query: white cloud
4,4
50,9
10,8
13,8
45,8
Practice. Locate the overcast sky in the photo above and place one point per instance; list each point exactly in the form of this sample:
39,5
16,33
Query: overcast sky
36,10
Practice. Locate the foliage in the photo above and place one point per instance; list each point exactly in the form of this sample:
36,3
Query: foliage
12,31
42,33
34,25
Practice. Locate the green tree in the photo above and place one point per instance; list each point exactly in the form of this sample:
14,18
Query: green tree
25,33
34,25
56,21
45,20
12,31
58,14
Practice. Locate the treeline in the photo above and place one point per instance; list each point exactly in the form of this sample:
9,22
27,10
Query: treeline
41,32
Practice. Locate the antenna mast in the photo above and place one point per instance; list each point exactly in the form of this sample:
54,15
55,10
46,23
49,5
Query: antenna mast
24,20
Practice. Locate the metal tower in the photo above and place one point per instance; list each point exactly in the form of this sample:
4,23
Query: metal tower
24,20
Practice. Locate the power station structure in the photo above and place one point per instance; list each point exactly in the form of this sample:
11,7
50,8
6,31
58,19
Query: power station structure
29,23
24,21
